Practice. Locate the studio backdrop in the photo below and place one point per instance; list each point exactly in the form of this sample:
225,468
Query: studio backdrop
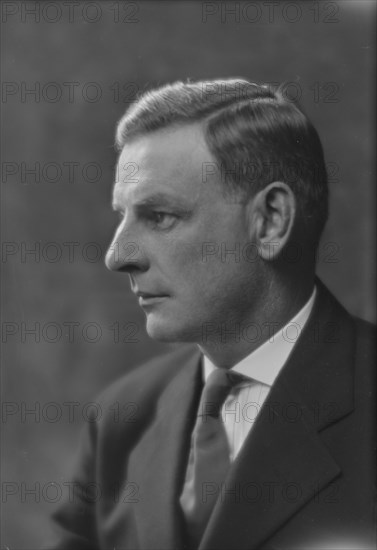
69,72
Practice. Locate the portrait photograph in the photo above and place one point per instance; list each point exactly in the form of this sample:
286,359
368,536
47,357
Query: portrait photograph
188,218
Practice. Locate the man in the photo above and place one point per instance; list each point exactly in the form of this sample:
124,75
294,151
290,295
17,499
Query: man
222,195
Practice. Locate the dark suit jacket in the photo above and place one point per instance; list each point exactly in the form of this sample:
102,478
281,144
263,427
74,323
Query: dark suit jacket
303,479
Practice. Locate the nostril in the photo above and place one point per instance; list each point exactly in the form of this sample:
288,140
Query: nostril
124,265
128,268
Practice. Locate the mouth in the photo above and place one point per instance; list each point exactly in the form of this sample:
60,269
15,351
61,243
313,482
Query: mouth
145,298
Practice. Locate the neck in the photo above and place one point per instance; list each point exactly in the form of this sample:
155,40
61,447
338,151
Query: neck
236,339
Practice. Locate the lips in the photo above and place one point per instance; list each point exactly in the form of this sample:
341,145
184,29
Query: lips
146,295
149,299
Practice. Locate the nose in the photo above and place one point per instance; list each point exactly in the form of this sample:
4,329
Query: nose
124,253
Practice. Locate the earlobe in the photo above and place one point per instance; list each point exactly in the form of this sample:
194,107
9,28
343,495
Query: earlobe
275,211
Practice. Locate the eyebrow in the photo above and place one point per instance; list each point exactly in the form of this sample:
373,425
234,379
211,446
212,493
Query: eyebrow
157,199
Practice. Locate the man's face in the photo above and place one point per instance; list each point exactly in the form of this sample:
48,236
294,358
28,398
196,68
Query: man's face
177,236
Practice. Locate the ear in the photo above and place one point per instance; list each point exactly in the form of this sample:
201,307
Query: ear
274,211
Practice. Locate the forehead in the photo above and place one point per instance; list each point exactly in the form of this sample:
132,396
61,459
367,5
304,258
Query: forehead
170,161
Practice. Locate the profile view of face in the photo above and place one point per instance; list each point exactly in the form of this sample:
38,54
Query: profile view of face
171,217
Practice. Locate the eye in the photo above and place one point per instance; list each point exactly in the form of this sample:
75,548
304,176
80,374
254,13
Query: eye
163,220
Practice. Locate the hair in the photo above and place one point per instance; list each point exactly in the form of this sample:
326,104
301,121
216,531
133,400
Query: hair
256,133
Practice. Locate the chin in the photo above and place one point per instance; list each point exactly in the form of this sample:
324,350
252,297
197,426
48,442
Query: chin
167,331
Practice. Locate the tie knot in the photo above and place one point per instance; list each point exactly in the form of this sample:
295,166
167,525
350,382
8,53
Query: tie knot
216,390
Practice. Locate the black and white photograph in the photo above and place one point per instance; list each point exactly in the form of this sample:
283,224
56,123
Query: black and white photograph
188,218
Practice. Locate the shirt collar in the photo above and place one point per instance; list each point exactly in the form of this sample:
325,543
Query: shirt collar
265,363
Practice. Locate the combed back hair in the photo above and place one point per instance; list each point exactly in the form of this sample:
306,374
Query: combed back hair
256,134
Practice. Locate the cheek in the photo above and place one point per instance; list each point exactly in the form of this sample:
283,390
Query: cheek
205,278
206,264
181,258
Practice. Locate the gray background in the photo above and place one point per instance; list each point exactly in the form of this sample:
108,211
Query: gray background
326,50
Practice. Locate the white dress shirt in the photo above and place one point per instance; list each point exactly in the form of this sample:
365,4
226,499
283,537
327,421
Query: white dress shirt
261,367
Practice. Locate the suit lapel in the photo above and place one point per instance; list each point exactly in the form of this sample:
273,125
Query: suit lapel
161,459
283,462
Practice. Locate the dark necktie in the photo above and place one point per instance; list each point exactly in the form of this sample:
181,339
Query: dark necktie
210,455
